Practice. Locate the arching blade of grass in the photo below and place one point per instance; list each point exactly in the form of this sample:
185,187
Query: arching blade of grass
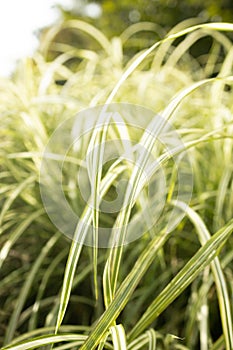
152,339
204,311
222,292
189,272
184,46
81,26
141,57
221,26
139,27
92,31
45,331
26,288
107,346
46,340
162,51
118,337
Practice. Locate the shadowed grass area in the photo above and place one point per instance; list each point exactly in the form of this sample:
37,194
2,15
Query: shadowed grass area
170,289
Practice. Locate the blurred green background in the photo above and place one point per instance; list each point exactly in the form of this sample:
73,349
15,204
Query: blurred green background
114,16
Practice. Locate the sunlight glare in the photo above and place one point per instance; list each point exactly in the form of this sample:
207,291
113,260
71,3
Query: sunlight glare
19,21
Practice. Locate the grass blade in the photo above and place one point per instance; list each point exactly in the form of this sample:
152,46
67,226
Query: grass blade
118,337
45,340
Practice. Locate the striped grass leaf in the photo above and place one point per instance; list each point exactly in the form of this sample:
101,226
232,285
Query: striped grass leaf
56,65
80,26
152,339
39,332
139,27
138,343
46,340
118,337
162,51
103,341
186,43
149,337
106,345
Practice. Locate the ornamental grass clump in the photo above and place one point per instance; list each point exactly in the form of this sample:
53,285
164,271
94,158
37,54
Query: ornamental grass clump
162,276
